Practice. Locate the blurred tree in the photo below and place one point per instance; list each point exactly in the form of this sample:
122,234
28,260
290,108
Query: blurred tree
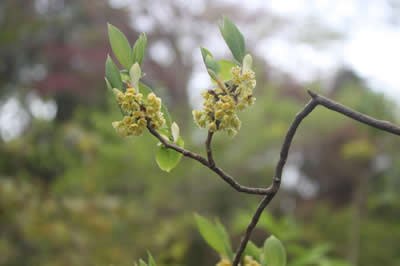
74,193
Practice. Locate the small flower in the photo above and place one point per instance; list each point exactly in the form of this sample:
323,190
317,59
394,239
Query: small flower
220,105
224,262
212,127
249,261
138,111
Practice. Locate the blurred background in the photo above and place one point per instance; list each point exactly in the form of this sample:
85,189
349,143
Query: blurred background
72,192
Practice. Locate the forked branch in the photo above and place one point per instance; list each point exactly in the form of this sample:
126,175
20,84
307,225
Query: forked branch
271,191
316,100
208,163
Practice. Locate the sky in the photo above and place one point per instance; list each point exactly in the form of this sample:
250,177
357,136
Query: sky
370,47
369,44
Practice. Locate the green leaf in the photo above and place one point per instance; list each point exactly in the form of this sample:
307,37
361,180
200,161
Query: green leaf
108,84
204,53
226,69
120,46
125,76
151,260
112,74
233,38
167,116
142,263
210,234
139,49
225,237
167,159
110,93
145,90
253,251
212,74
274,252
211,64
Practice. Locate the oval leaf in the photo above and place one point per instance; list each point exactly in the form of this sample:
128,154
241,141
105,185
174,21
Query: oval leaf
225,237
142,263
225,66
204,53
112,74
274,252
151,259
120,46
139,49
210,234
253,251
212,74
233,38
167,159
212,64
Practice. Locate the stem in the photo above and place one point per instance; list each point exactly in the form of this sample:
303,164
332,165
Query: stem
316,100
270,192
226,177
277,178
365,119
208,149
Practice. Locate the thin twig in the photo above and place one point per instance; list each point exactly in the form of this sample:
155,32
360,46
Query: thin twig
316,100
365,119
277,178
208,149
271,191
226,177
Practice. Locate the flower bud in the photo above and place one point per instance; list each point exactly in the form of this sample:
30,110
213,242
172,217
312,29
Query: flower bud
212,127
197,114
135,74
175,131
247,62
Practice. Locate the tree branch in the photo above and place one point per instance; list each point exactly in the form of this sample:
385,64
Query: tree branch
227,178
365,119
316,100
273,189
208,148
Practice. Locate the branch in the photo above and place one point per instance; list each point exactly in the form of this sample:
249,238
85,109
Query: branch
270,192
273,189
227,178
365,119
208,148
316,100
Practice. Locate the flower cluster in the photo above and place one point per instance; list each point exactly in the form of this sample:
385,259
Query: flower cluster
248,261
138,110
224,262
220,104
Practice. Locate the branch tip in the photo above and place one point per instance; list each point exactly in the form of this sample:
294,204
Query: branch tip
312,94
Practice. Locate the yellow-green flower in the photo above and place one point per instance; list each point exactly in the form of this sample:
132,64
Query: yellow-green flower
137,112
221,104
249,261
224,262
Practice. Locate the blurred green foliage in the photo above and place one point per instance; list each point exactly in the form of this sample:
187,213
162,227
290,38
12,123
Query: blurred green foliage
76,193
73,192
